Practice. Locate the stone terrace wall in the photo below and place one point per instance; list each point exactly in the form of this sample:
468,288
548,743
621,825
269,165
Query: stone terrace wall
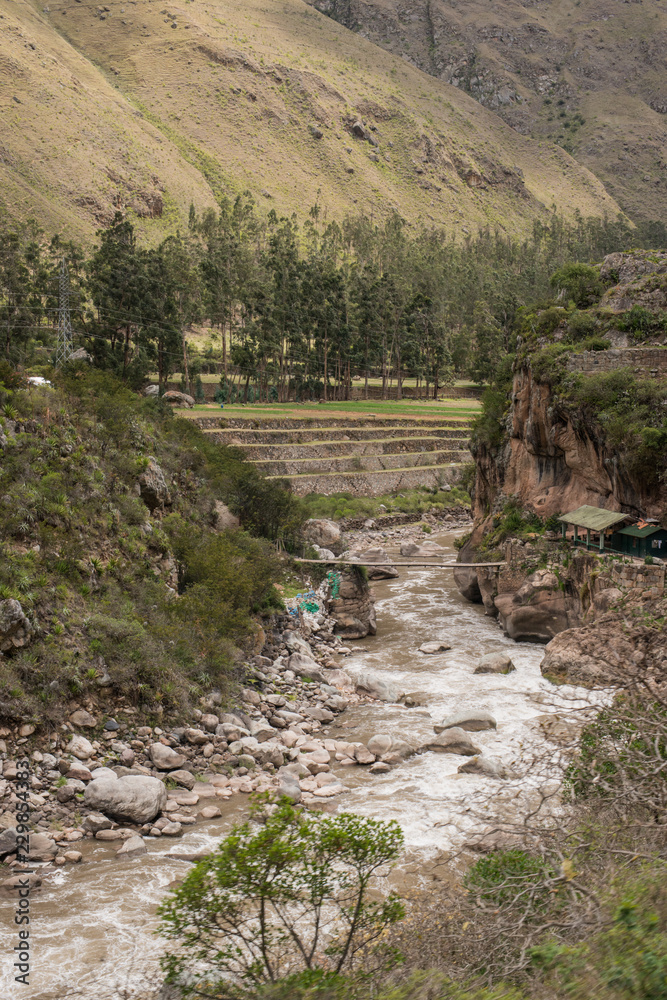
649,359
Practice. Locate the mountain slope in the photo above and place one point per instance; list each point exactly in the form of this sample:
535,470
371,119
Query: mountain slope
588,74
135,106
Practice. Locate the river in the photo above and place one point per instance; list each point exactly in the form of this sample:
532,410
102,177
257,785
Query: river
92,924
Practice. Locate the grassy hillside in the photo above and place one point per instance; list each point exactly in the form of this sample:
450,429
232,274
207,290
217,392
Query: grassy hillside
149,109
586,74
107,509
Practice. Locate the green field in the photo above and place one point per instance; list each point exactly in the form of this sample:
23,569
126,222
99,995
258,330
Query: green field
452,409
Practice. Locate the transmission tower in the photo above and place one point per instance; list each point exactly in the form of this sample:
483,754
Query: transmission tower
64,345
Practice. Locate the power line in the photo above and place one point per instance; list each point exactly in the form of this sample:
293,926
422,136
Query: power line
64,342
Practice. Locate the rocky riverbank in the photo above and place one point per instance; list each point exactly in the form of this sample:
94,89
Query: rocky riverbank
119,782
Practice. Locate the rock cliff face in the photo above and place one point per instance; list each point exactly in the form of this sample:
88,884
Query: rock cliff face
554,462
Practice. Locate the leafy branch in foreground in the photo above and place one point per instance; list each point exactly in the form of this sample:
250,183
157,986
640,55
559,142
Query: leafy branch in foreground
285,892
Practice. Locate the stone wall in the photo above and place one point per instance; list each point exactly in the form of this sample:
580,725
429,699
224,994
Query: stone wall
647,359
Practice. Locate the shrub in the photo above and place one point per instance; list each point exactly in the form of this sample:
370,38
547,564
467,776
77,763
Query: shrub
285,892
579,282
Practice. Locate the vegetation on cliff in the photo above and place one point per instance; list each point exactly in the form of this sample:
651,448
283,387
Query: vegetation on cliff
622,404
108,507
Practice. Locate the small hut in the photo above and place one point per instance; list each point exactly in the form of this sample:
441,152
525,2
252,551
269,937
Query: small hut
591,519
641,540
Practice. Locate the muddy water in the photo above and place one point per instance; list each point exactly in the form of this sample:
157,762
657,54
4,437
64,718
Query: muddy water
91,930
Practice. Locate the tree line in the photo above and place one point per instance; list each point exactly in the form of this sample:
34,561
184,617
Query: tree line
296,310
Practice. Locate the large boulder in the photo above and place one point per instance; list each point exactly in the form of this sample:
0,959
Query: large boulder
153,486
134,798
452,741
473,721
370,682
296,644
383,744
305,666
321,531
537,611
495,663
151,390
179,399
15,629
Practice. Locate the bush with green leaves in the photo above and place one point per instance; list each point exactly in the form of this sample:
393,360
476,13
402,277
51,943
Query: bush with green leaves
285,892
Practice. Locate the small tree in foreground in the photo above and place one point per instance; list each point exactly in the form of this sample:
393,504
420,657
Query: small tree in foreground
286,892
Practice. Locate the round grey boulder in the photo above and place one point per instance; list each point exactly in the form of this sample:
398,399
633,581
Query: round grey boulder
495,663
134,798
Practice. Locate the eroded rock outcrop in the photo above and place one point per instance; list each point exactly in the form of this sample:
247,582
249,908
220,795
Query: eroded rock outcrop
15,629
353,606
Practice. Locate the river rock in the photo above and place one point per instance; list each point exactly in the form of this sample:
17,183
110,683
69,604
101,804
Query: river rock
339,679
183,778
80,747
473,721
165,758
295,643
172,829
42,848
289,786
490,767
83,719
434,647
79,772
132,847
210,722
210,812
321,531
452,741
133,798
305,666
380,744
17,882
369,682
495,663
7,842
95,822
262,731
